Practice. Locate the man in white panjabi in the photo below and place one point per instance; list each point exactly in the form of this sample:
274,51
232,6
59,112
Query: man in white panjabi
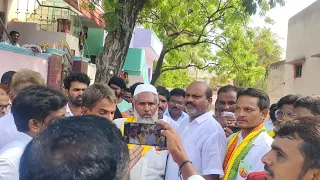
203,138
145,105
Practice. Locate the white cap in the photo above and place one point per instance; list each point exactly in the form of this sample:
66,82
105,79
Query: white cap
145,88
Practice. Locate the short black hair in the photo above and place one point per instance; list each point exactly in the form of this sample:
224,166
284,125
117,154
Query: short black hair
76,76
288,99
227,88
117,81
126,73
264,101
7,77
127,90
309,102
177,92
272,112
134,86
13,33
306,129
35,102
78,147
163,92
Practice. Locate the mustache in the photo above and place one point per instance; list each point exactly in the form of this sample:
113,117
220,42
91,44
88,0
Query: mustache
190,103
268,170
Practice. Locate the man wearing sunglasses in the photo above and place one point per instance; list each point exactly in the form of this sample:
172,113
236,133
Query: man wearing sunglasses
285,107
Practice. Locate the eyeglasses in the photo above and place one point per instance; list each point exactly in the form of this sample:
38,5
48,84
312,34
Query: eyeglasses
4,106
176,103
280,114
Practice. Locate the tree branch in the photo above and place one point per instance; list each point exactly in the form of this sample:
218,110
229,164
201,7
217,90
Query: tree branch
170,68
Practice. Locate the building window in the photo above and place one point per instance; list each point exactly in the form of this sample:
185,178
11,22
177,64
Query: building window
297,70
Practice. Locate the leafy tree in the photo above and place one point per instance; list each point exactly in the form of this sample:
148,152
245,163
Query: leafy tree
175,79
180,25
183,26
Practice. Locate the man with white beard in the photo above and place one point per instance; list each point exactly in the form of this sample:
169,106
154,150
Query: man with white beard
145,107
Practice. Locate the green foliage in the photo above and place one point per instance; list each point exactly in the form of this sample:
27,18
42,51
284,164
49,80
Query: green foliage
175,79
191,30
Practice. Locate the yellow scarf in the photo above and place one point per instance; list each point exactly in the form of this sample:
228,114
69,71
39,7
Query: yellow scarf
130,146
235,154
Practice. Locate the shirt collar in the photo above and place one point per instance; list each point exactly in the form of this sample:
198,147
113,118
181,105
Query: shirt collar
68,111
203,117
24,138
166,112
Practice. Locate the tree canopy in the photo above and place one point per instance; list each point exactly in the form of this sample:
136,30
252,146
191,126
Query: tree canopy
191,30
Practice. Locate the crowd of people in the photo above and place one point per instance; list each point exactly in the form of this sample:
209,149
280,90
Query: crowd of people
78,133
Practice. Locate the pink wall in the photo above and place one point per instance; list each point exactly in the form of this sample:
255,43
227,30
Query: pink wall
11,61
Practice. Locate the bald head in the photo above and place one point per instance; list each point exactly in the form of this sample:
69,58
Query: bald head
198,99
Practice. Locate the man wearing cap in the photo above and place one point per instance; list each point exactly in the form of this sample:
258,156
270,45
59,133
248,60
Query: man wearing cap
145,107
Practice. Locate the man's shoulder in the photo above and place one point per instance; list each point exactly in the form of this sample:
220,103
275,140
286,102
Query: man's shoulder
263,141
11,153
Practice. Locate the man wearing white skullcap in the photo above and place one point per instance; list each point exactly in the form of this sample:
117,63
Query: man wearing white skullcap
145,106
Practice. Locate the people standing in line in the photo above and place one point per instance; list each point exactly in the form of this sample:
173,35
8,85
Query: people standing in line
203,138
307,106
33,109
246,148
75,84
20,80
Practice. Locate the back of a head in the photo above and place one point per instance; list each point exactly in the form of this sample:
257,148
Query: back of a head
96,92
177,92
263,98
35,102
25,77
76,148
163,92
227,88
288,99
7,77
272,111
117,81
311,103
76,77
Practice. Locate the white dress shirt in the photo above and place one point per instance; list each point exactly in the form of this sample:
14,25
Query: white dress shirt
182,122
260,146
8,129
10,157
183,116
68,111
205,144
269,125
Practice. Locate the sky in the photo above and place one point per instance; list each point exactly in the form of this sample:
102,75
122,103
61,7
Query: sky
281,16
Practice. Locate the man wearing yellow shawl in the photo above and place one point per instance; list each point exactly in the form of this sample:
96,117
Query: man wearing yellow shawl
246,148
145,106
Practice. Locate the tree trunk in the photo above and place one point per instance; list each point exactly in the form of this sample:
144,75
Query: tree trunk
110,61
157,72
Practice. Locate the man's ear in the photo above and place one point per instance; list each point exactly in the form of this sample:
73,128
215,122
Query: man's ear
84,110
265,113
209,101
35,126
10,94
66,91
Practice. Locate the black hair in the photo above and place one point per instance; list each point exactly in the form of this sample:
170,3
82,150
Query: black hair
76,76
126,73
227,88
288,99
177,92
163,92
78,147
117,81
264,101
7,77
13,33
306,129
134,86
127,90
309,102
272,112
35,102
